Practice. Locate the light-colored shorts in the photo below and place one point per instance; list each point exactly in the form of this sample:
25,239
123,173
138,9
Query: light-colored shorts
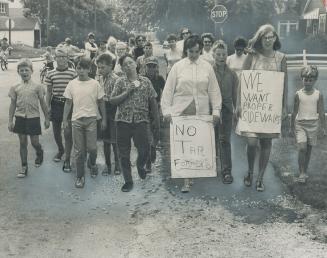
306,131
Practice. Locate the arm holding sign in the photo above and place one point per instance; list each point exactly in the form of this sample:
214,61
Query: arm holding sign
321,112
168,94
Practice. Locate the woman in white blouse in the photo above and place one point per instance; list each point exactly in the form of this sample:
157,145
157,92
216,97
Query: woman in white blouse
191,88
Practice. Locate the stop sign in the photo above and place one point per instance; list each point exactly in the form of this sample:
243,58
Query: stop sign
219,13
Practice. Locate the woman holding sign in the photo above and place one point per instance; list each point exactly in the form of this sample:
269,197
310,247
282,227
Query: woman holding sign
263,55
191,88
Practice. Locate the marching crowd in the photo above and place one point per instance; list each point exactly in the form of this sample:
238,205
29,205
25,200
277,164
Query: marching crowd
117,94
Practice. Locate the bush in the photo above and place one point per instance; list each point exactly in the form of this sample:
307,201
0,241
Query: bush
316,44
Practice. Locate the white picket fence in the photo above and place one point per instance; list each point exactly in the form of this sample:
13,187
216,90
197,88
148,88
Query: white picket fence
298,60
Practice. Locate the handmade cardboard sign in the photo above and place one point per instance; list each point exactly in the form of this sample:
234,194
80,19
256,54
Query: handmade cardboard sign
192,144
261,101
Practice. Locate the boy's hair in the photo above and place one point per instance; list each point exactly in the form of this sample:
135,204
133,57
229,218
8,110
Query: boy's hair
49,49
104,59
219,44
103,42
23,63
84,63
148,44
171,37
61,50
123,57
309,71
240,42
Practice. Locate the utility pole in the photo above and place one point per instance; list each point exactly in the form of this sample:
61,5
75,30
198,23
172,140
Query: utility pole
95,17
74,21
48,23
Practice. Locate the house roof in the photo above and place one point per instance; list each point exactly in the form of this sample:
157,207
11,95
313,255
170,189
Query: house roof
21,23
312,5
14,12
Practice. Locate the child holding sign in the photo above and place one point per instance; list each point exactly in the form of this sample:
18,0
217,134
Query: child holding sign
308,112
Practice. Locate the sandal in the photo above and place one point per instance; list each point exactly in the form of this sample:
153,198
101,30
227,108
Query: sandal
228,178
260,186
302,179
248,179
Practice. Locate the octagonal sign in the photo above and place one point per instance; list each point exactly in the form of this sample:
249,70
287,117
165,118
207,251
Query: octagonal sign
219,13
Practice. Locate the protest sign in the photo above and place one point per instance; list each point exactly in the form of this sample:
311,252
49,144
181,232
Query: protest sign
261,101
192,144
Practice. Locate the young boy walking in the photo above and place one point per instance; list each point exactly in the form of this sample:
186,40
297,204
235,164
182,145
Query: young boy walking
308,118
228,83
85,95
56,82
108,79
25,99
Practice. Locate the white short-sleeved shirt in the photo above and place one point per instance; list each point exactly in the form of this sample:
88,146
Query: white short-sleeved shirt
85,95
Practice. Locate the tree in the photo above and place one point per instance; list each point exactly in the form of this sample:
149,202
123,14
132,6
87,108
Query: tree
72,18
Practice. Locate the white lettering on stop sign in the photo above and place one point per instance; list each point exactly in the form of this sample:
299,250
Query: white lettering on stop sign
219,13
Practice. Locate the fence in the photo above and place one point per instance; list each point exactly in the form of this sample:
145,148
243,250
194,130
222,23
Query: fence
297,60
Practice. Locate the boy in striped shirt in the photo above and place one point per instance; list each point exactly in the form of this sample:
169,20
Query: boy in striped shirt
56,82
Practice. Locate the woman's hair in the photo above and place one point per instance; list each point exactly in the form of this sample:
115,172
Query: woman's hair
192,41
219,44
84,63
181,32
121,45
240,42
256,43
24,62
123,57
112,40
171,37
104,59
148,44
309,71
91,35
49,49
139,37
209,36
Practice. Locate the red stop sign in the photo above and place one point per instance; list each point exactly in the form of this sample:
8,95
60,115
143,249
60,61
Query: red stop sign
219,13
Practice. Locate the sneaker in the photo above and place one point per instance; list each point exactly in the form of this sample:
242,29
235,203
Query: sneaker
127,187
94,171
142,173
23,172
260,186
58,156
80,181
39,159
66,167
106,171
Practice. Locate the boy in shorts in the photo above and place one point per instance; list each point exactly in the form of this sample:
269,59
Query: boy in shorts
25,98
308,118
85,96
56,82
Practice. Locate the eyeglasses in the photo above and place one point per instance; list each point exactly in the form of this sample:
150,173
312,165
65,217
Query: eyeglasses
269,37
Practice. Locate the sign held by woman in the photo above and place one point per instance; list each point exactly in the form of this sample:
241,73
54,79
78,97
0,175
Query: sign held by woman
192,143
261,101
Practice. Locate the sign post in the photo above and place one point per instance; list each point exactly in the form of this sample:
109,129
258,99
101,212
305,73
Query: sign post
9,25
218,15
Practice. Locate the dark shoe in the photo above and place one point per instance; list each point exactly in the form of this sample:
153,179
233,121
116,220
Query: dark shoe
228,178
58,156
23,172
127,187
260,186
80,181
106,171
117,170
248,179
66,167
39,159
94,171
142,173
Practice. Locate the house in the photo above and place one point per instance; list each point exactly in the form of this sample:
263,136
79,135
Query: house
314,13
23,30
